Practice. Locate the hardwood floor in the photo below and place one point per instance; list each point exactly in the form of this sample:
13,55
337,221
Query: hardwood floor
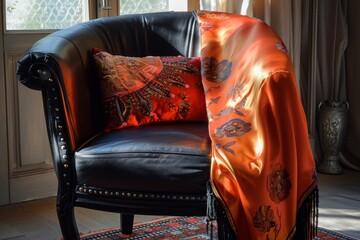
36,220
339,204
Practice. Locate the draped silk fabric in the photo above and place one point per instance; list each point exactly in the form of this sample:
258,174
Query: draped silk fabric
262,165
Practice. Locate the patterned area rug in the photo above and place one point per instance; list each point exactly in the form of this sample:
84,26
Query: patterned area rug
186,228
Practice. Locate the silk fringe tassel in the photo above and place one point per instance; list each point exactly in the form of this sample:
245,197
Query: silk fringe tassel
306,219
215,211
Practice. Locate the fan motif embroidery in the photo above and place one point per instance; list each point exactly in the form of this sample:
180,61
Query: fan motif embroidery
132,84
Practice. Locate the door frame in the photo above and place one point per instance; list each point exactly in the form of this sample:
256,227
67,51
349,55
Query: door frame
20,181
4,165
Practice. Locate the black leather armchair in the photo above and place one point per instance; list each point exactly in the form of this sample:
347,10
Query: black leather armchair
157,170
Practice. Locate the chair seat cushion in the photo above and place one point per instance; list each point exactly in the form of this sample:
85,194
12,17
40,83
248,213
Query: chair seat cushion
169,158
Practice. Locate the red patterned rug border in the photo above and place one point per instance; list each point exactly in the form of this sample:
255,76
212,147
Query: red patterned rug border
173,228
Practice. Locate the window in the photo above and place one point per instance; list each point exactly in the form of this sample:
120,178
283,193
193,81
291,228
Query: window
44,14
57,14
143,6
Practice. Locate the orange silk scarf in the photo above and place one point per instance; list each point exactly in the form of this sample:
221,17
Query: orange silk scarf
262,166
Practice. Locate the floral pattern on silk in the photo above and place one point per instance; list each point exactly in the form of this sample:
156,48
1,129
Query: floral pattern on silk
262,164
278,184
214,70
264,219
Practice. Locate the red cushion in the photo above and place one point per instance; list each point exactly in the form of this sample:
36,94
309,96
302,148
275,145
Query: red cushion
138,91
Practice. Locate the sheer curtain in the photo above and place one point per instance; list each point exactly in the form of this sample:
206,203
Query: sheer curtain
322,38
231,6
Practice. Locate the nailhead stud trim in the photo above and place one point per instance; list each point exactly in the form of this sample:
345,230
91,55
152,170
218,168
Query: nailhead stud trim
136,195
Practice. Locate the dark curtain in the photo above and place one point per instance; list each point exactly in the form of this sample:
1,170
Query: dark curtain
332,42
330,67
351,153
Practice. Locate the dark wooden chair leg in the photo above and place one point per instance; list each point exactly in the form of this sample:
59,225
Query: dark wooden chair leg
126,221
65,212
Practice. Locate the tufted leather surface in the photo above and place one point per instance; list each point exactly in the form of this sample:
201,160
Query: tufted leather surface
171,158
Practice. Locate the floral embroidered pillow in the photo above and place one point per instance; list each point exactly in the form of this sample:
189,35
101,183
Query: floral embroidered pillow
138,91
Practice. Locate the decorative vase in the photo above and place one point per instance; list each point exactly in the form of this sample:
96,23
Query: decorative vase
333,121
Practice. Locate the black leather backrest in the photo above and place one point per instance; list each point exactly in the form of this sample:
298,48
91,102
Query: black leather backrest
150,34
157,34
